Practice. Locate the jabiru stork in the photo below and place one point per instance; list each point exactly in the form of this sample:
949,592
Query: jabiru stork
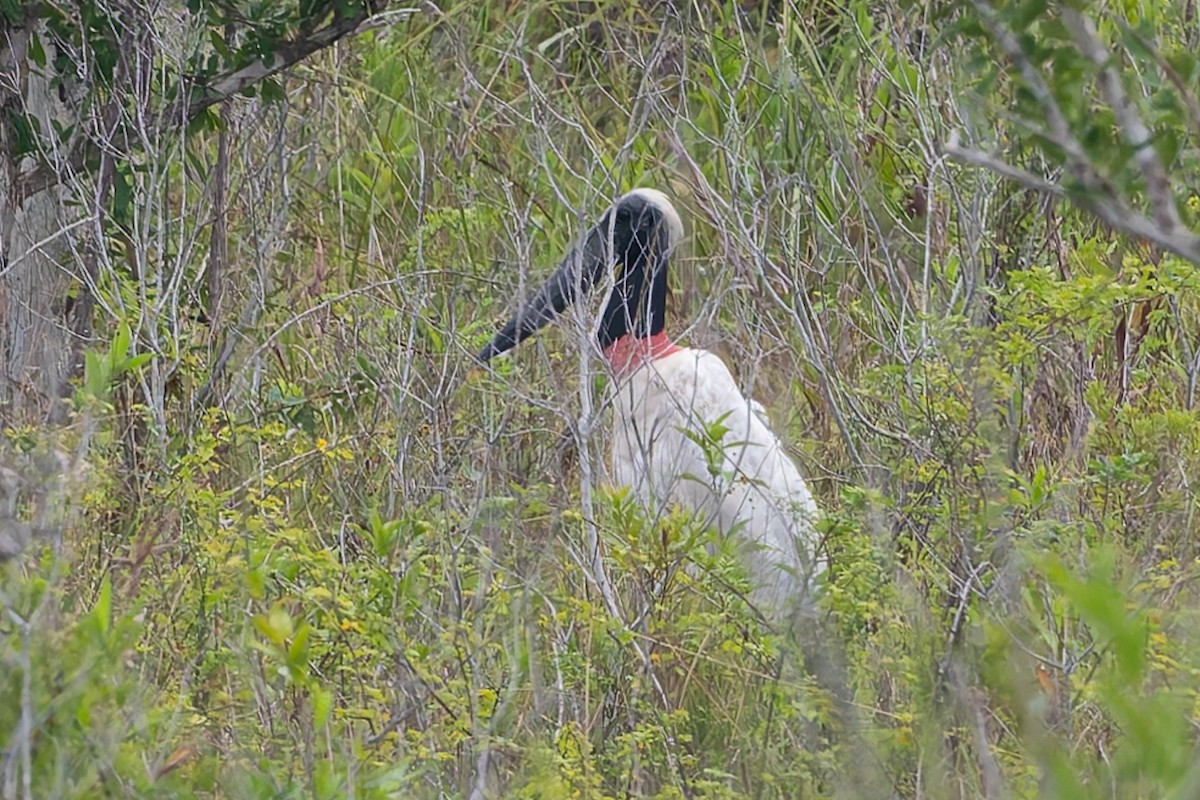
670,400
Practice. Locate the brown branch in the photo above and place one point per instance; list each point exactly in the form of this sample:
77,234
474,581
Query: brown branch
219,89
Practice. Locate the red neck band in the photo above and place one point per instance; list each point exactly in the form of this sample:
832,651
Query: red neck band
627,353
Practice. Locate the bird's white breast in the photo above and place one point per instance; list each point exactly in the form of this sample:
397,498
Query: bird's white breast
758,493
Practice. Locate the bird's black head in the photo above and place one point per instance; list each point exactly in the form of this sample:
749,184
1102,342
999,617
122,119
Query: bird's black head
629,245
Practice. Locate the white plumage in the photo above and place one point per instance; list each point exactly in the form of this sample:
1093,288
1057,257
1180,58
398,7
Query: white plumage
757,493
667,398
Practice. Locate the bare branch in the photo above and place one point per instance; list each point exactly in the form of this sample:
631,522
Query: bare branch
1097,195
978,158
221,88
286,55
1186,93
1109,210
1123,219
1060,129
1133,129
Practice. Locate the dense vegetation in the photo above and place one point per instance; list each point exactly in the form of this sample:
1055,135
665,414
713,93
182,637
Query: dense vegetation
287,540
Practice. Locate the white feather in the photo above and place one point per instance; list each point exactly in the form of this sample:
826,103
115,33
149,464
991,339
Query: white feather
759,494
670,216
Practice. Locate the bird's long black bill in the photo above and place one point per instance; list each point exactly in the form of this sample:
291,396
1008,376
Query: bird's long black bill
574,276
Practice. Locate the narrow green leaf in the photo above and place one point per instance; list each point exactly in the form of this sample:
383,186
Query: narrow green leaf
26,134
119,350
322,705
102,613
36,51
132,363
297,652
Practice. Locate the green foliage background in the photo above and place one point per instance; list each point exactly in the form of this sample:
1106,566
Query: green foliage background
356,565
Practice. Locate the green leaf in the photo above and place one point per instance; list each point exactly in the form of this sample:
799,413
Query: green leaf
1102,604
220,45
102,611
297,652
96,375
207,120
118,351
106,54
322,706
122,197
36,51
1025,14
26,135
133,362
271,90
276,627
1184,63
13,11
